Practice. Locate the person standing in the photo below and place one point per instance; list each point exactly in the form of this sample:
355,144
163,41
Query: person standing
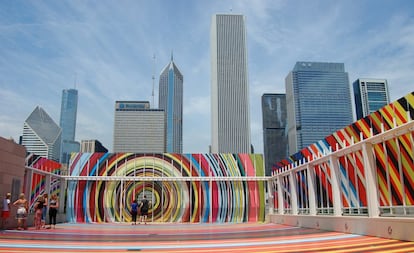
5,213
22,208
134,211
44,210
38,212
144,206
53,209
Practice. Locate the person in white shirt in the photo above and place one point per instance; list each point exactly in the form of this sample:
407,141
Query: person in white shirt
22,209
5,212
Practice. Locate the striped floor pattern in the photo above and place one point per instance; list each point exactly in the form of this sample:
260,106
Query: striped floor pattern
177,237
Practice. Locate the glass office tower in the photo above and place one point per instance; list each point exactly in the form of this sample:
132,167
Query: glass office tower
274,117
370,96
171,101
318,99
230,118
68,112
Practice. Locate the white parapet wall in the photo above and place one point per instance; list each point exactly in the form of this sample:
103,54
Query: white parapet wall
399,228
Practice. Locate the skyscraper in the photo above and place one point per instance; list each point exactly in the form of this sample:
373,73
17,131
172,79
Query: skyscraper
370,96
274,117
68,112
230,118
318,99
137,128
171,101
41,135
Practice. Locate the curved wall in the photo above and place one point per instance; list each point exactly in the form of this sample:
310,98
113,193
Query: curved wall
181,187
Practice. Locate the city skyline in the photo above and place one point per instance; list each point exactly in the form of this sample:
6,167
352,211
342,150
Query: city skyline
106,53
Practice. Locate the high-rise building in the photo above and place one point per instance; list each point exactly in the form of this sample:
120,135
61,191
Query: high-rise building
275,144
318,99
171,101
230,117
41,135
370,96
68,112
92,146
137,128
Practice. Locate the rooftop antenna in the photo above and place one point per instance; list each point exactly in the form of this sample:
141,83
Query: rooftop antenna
153,80
76,77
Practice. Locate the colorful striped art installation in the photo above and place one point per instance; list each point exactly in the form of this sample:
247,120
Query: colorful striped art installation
393,161
195,188
38,180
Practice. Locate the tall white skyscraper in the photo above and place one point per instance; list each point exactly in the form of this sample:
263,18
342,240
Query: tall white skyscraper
230,117
137,128
171,101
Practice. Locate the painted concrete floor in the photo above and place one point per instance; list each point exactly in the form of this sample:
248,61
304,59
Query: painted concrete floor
182,237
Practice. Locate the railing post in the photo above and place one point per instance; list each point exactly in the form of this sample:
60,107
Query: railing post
311,189
336,190
293,192
28,188
280,205
270,196
48,182
62,195
370,178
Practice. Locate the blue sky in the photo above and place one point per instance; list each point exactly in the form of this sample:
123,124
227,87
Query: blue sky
108,48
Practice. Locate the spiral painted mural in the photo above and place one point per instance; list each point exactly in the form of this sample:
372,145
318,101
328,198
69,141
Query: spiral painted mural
394,160
181,187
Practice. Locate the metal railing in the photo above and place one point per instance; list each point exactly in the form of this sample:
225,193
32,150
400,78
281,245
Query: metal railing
372,177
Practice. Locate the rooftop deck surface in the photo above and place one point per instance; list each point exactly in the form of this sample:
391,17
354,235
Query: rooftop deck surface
183,237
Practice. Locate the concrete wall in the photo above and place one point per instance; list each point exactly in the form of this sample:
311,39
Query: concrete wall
12,168
387,227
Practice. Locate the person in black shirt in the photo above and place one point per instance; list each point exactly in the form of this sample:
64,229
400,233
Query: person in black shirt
144,206
53,209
